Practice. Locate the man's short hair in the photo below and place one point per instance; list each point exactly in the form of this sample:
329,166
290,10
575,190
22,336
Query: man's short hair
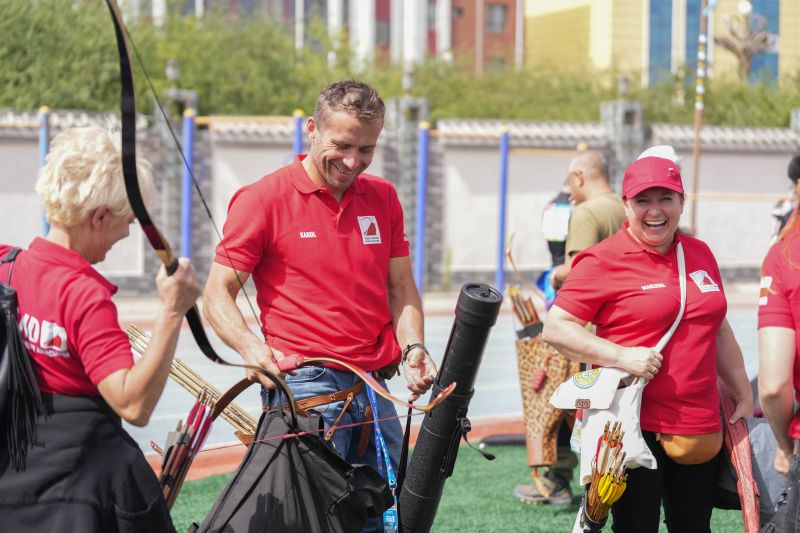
356,98
794,169
591,160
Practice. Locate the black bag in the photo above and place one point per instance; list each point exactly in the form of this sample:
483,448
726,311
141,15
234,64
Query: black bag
20,400
296,484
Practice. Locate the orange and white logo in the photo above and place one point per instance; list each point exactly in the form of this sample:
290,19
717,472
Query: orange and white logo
369,230
704,281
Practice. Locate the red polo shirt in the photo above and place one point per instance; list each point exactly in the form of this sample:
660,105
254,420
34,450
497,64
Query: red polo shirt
632,294
320,268
67,319
779,304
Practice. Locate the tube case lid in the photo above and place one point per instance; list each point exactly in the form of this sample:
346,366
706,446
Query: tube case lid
478,305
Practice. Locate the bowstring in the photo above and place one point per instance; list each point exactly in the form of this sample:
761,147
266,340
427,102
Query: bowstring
300,434
194,181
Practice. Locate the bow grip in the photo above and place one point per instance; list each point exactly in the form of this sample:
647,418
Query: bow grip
290,362
172,267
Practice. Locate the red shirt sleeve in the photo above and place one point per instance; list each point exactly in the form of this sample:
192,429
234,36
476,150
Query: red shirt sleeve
103,347
400,244
774,307
587,287
245,233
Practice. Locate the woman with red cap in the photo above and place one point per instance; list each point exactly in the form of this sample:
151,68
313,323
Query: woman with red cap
629,287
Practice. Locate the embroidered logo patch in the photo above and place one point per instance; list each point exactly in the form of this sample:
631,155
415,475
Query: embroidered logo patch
369,230
766,283
586,379
704,281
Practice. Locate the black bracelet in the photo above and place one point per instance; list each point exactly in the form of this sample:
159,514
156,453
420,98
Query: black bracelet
411,347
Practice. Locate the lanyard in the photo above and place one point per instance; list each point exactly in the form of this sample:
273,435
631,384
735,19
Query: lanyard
390,516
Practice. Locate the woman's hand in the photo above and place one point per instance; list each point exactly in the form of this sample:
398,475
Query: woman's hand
640,361
744,409
180,291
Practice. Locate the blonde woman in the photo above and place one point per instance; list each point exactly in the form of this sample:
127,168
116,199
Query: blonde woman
85,473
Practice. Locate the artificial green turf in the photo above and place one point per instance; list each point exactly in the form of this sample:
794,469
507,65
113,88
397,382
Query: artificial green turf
479,497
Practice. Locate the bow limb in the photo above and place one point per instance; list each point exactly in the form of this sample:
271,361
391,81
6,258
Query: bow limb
157,240
292,362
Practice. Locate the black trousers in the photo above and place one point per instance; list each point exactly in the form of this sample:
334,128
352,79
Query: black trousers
687,492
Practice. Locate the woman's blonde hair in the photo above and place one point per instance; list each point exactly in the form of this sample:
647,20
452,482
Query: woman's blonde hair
83,171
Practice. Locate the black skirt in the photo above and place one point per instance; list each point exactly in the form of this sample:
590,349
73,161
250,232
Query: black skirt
84,474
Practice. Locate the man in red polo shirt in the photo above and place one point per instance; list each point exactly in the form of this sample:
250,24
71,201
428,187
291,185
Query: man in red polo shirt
326,248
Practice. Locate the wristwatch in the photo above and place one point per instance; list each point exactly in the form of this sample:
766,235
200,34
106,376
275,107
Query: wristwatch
411,347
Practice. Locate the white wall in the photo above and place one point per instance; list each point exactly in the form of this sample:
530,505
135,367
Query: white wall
471,200
738,232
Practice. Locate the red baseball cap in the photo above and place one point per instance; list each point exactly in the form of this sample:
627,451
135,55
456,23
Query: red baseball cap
651,172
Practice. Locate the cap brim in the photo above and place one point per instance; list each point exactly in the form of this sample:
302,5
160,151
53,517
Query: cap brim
644,186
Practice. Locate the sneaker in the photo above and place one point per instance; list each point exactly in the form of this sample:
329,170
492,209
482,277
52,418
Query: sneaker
555,488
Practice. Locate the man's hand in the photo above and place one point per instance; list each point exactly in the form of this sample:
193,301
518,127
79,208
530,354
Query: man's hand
640,361
420,371
782,461
261,355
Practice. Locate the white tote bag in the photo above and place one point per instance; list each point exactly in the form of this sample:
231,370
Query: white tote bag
625,408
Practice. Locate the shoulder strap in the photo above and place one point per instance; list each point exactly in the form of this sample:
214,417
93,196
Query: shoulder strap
9,258
682,274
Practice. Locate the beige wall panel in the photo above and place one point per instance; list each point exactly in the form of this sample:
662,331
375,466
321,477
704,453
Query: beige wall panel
725,63
789,55
628,32
559,39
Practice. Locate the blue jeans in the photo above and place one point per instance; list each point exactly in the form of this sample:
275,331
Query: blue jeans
315,380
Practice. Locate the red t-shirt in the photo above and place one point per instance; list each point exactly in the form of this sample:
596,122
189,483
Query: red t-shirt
67,319
779,304
320,268
632,294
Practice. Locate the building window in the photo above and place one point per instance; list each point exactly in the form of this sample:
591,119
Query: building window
382,32
458,12
495,18
766,64
660,39
431,16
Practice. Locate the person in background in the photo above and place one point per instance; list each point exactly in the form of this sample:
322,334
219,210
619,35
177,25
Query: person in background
598,211
85,473
785,208
779,368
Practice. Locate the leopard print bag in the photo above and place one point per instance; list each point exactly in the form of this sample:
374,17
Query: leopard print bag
542,420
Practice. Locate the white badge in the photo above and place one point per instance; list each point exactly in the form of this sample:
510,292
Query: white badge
704,281
369,230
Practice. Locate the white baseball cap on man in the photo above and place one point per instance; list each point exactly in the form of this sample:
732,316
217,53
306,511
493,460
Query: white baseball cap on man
663,151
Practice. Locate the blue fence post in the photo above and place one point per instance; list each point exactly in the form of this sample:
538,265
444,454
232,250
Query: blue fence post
44,149
422,201
298,115
500,275
186,183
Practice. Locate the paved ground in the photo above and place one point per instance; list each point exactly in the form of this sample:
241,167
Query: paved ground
497,389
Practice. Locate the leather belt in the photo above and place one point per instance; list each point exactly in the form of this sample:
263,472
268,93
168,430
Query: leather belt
323,399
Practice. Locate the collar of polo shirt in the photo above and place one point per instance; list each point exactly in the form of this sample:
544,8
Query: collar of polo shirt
629,245
302,181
